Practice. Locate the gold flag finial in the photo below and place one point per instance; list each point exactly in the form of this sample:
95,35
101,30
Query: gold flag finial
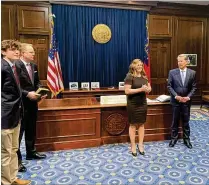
52,15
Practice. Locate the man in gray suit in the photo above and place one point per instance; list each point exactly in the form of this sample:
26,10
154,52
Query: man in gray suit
181,85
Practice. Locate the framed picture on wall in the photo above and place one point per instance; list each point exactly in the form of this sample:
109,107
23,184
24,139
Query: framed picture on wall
85,85
73,85
95,85
192,59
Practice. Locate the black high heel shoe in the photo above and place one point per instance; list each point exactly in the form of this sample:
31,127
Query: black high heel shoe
134,154
141,153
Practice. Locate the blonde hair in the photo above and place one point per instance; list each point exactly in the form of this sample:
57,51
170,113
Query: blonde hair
132,68
23,47
183,55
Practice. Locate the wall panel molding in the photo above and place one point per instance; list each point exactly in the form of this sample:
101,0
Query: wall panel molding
8,21
191,38
33,19
160,26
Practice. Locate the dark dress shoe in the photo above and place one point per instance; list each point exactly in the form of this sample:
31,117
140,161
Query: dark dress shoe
35,155
188,144
21,168
141,153
134,154
172,143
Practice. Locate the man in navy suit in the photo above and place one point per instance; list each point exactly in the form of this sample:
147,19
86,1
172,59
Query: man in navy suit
11,111
182,86
29,82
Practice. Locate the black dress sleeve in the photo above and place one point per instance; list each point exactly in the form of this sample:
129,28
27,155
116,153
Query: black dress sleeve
129,79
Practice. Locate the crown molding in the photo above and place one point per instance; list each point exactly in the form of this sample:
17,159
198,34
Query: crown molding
180,9
136,5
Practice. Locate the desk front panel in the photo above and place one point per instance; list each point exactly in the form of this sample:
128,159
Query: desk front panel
65,129
80,128
115,124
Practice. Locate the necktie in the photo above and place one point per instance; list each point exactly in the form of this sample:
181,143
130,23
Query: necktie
15,74
29,71
183,76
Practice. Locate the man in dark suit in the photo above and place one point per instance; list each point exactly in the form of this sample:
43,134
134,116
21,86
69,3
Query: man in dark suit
11,112
29,82
182,86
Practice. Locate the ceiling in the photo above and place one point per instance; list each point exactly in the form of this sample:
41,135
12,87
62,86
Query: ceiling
171,1
187,2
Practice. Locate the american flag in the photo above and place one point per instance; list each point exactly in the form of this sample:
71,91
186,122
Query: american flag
147,56
54,72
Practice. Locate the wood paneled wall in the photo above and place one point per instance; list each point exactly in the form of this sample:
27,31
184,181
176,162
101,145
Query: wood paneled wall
28,22
40,43
171,35
173,29
160,53
8,30
207,53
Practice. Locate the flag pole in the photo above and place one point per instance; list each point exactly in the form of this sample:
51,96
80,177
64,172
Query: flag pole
54,72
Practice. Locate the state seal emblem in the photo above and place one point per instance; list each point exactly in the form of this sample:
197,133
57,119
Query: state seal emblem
101,33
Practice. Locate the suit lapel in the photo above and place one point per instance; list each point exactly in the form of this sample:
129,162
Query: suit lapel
32,70
179,77
12,74
187,77
26,71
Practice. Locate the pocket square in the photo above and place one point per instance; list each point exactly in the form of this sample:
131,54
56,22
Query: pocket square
35,71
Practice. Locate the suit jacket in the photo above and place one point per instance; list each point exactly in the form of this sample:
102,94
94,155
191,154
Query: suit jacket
176,87
11,98
26,83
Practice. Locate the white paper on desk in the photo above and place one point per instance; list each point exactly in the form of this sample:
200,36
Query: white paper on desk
152,101
114,99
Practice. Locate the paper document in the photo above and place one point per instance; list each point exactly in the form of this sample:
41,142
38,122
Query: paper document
152,101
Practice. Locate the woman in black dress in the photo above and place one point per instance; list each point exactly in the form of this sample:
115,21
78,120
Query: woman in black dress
136,87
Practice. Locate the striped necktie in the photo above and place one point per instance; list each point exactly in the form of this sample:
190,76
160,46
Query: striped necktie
29,69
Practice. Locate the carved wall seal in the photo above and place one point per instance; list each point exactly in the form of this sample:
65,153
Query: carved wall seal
115,124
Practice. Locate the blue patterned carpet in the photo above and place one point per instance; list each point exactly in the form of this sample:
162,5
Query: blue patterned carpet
113,164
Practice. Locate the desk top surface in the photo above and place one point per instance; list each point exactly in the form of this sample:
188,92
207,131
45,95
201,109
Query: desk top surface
48,104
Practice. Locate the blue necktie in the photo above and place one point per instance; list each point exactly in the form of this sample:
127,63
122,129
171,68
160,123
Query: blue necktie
182,77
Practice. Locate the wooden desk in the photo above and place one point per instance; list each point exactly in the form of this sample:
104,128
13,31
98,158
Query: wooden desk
83,122
105,91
